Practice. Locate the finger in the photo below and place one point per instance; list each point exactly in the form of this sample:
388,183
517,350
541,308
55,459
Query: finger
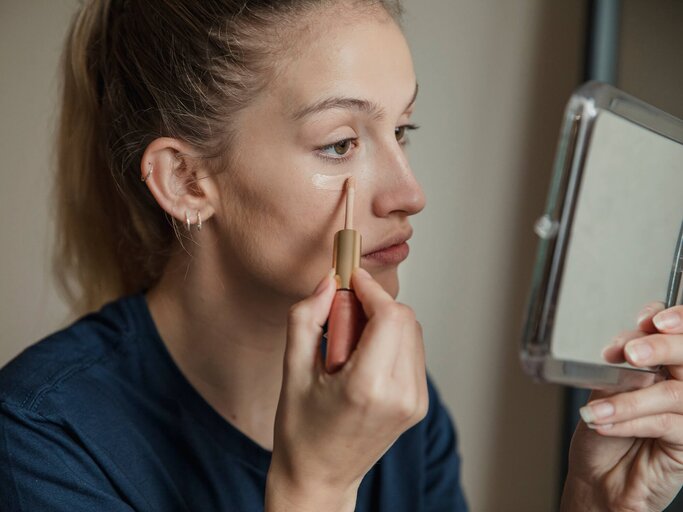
667,426
661,398
377,347
421,369
304,328
380,341
370,293
644,317
655,349
614,353
670,320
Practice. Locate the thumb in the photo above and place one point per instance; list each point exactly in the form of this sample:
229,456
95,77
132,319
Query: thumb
304,328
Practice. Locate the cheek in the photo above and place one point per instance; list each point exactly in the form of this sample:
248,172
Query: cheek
280,236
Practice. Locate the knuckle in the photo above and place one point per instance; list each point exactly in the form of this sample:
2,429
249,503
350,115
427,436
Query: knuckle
407,312
392,312
406,407
297,314
387,311
664,422
661,347
628,405
673,391
423,409
364,395
397,312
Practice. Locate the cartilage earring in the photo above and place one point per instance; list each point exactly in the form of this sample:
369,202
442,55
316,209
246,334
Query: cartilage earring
187,221
199,221
149,172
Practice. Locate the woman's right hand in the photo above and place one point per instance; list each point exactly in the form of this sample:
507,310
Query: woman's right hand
330,429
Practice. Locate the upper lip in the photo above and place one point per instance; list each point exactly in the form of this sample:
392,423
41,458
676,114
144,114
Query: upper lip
395,239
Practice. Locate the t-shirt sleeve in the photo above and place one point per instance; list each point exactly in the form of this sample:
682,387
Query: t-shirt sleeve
43,467
443,492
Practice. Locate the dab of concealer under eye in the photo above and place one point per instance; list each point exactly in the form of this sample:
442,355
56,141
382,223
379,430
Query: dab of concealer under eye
329,181
323,181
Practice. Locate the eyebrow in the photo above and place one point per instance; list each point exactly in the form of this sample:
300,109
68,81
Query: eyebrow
366,106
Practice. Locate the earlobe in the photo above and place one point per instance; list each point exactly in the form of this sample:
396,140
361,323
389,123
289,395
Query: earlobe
169,171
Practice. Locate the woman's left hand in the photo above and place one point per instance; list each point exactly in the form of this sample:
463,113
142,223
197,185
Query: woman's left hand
627,453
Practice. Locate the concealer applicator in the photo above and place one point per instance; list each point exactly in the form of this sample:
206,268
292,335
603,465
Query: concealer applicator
347,319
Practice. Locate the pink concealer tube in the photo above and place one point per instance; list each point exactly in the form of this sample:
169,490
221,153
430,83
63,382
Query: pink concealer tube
347,318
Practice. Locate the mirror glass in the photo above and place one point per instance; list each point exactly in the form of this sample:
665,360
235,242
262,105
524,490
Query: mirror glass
623,236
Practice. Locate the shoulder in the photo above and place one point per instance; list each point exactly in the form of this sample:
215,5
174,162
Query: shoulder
63,358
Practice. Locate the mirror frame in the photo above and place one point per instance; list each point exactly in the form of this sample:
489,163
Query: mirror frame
554,232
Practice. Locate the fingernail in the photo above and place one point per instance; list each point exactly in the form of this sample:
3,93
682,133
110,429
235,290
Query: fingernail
666,320
363,273
606,426
617,341
638,352
644,313
607,349
597,411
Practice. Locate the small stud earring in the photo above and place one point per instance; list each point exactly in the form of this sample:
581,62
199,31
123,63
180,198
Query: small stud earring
149,173
199,221
187,221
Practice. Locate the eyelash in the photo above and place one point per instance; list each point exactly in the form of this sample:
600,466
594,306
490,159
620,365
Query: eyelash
340,159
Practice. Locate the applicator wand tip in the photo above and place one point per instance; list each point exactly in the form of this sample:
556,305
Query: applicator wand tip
350,194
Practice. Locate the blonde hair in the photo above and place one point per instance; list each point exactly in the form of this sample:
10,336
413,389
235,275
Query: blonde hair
135,70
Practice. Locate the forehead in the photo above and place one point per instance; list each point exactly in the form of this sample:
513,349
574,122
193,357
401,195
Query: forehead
368,58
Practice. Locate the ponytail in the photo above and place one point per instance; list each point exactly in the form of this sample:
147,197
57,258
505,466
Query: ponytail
99,239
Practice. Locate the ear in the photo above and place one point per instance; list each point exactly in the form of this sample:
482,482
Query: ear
178,180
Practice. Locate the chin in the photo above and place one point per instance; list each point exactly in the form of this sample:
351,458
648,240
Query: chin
388,278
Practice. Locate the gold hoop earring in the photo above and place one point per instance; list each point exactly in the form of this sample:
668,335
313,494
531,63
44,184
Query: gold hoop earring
188,224
199,221
149,173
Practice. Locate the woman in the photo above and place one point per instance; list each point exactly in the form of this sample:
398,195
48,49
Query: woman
202,152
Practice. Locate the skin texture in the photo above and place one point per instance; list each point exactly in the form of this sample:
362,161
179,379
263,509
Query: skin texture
267,231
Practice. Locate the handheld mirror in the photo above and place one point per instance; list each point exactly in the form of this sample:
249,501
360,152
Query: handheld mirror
610,238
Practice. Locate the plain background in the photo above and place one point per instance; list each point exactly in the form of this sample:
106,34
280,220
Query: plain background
494,77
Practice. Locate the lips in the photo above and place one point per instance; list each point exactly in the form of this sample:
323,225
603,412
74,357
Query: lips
395,239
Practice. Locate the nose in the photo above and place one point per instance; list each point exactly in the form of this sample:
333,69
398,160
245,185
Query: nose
397,189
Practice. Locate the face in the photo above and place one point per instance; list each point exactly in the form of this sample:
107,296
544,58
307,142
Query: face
283,200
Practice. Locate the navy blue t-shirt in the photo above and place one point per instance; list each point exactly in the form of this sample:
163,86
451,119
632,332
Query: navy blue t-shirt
97,417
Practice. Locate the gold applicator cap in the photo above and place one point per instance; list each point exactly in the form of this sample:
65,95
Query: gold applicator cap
346,256
347,244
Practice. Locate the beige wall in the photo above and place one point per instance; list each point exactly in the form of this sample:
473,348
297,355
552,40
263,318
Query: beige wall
494,77
31,34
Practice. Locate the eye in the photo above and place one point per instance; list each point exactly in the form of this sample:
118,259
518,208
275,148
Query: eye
340,148
400,132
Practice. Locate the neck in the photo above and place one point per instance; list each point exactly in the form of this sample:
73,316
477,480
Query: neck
227,336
